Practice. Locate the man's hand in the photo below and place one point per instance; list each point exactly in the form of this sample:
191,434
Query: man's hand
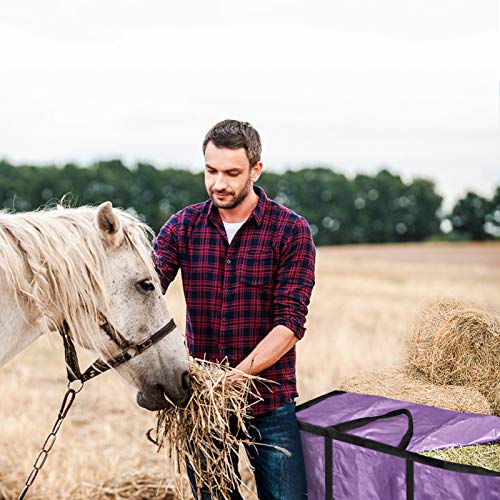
236,374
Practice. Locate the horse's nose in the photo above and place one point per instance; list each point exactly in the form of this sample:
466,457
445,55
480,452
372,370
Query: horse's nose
186,384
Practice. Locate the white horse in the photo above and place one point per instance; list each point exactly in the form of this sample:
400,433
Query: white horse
70,268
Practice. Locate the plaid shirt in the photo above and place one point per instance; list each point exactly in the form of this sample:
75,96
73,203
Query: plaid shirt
235,294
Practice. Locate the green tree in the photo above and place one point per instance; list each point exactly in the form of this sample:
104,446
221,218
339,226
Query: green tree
321,195
492,218
469,216
366,208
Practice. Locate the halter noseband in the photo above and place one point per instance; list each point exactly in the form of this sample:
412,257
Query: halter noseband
129,350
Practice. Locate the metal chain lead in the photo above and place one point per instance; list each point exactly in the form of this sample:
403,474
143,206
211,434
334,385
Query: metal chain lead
50,440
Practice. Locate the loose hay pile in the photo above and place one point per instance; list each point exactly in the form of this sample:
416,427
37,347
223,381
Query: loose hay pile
211,426
453,361
454,344
485,455
136,486
398,383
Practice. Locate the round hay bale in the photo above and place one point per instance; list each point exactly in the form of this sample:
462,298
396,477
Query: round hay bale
397,383
458,346
429,319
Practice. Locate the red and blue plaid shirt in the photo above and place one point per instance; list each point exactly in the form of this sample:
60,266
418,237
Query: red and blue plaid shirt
236,294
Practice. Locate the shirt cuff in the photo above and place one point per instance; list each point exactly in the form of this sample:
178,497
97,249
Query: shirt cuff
298,330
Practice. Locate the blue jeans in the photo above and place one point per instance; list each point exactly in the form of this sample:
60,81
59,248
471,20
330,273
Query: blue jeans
277,476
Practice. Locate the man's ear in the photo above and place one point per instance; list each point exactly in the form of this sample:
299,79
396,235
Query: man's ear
109,225
255,171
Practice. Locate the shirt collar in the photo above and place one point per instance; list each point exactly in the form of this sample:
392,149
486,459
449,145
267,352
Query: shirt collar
260,209
257,214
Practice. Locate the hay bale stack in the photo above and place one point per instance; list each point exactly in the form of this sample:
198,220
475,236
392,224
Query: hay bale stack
458,345
398,383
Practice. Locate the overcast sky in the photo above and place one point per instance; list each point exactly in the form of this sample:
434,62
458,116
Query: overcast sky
354,84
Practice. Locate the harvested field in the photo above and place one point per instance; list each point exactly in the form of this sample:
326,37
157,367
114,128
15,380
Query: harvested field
361,308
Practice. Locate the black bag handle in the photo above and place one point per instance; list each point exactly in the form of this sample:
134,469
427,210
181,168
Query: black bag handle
361,422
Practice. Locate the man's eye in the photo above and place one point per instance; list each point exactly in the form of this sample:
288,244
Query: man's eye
233,174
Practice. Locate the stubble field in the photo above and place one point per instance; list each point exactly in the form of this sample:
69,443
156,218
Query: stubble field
364,299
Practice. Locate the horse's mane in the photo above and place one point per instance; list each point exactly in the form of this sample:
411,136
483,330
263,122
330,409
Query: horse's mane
54,261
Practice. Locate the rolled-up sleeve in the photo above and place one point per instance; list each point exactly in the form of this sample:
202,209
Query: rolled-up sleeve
165,253
295,279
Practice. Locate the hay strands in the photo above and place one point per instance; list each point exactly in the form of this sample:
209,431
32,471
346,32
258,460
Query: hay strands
479,455
208,431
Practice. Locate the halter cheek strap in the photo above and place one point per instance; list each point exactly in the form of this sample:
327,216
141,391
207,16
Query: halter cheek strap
99,366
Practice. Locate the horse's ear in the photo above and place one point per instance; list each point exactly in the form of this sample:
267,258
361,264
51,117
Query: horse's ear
109,224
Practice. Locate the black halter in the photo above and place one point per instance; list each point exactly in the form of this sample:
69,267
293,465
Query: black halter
129,350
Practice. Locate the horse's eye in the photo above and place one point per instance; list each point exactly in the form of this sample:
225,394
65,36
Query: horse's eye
145,286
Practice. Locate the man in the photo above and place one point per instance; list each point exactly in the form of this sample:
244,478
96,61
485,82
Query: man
247,266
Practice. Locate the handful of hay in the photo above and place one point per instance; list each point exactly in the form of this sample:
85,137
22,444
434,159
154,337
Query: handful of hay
459,345
209,430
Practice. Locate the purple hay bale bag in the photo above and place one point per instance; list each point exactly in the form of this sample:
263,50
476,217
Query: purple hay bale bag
362,447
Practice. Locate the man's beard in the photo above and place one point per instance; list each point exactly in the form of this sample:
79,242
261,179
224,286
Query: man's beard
233,201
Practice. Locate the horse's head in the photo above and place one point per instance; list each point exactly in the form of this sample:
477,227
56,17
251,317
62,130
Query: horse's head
137,309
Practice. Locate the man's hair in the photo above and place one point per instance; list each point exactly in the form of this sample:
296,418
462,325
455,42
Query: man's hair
233,134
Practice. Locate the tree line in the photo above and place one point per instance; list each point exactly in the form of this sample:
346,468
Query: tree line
364,209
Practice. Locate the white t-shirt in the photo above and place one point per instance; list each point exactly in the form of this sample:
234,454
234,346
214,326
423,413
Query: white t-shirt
231,229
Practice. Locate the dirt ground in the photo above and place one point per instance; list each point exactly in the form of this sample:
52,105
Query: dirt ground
364,299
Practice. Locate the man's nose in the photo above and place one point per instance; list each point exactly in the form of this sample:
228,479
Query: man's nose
220,183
